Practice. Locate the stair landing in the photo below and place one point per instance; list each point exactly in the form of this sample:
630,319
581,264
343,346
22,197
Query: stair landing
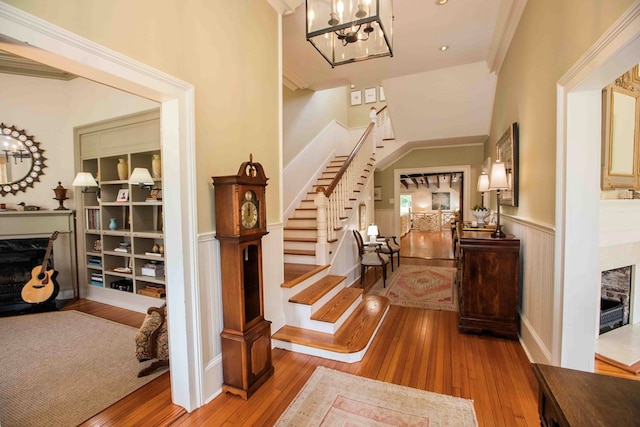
349,344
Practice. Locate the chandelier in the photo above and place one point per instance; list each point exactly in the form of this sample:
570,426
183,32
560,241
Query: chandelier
346,31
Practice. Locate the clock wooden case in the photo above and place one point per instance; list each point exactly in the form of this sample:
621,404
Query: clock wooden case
240,225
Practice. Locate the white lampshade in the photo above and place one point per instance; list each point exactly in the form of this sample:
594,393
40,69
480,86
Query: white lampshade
498,177
140,176
372,230
84,179
483,183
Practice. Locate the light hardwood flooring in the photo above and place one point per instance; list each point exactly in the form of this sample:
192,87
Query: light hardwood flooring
415,348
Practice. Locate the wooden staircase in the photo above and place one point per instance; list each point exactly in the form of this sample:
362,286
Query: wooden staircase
324,317
300,230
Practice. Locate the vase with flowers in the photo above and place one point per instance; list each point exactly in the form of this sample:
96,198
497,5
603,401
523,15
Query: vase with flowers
480,213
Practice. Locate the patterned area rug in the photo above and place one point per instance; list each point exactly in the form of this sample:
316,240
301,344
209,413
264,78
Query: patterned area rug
421,287
332,398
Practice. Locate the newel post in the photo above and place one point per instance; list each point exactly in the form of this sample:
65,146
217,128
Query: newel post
322,247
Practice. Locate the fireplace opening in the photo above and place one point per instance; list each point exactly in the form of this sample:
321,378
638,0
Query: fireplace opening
615,298
17,258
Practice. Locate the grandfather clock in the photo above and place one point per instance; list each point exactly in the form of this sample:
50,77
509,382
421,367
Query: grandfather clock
240,225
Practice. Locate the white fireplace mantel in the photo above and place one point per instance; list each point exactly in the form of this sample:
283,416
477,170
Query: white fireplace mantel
42,224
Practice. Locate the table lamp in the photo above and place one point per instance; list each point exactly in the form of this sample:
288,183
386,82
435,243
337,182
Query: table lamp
498,181
372,232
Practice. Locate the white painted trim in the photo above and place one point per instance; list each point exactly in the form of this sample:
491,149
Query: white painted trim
540,226
577,195
466,172
508,19
65,50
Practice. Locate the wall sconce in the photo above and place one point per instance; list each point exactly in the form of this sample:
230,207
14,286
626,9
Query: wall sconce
142,178
483,185
86,180
345,31
498,181
372,232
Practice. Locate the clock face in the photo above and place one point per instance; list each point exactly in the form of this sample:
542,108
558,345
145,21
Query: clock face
249,210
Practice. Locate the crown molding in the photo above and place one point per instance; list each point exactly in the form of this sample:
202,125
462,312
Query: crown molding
506,25
285,7
292,81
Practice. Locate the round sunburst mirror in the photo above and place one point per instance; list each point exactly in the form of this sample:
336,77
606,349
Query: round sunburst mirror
21,160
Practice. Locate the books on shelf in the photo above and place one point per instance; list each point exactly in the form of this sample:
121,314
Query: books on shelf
123,247
95,261
153,269
93,219
158,254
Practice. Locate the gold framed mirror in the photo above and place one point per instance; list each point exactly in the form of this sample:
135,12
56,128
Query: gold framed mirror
21,160
620,134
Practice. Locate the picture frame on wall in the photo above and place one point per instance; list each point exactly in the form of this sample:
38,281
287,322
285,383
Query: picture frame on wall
381,96
507,152
370,95
356,97
362,216
377,193
441,201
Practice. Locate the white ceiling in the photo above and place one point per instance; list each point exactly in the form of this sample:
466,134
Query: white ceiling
474,30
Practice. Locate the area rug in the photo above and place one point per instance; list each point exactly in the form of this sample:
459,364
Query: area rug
418,286
61,368
332,398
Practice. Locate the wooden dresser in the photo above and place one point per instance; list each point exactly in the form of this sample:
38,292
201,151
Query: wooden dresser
488,284
575,398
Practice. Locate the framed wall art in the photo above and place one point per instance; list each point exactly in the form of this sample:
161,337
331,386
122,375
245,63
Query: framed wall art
441,201
370,95
377,193
507,152
356,97
362,217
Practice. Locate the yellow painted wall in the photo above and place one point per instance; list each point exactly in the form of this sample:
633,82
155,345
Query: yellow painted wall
306,113
551,37
432,157
227,49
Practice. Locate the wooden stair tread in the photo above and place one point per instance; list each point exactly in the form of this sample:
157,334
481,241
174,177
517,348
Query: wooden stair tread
300,228
352,337
332,310
297,273
299,252
298,218
316,291
300,239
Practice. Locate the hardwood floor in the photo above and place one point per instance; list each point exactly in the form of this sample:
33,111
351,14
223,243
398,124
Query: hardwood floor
415,348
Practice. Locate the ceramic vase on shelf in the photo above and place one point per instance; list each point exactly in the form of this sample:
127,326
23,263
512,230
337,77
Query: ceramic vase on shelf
113,224
123,169
480,216
156,166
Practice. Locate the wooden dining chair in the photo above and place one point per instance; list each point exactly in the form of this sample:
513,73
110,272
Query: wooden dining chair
389,247
371,258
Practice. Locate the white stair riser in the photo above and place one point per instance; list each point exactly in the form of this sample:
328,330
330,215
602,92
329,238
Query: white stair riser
300,259
305,213
326,327
305,234
305,246
300,314
302,222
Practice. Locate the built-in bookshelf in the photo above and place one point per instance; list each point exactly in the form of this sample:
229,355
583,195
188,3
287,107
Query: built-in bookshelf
121,242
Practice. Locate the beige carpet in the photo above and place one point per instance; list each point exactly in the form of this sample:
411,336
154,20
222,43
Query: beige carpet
332,398
420,286
61,368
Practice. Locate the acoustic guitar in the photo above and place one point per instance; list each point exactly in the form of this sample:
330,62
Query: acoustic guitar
42,286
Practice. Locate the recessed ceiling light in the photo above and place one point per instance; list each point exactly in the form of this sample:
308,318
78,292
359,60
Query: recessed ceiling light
441,2
443,47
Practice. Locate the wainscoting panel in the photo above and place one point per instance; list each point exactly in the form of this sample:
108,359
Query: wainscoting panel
210,296
536,298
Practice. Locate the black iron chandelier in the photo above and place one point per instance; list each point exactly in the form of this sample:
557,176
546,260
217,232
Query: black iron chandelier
346,31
